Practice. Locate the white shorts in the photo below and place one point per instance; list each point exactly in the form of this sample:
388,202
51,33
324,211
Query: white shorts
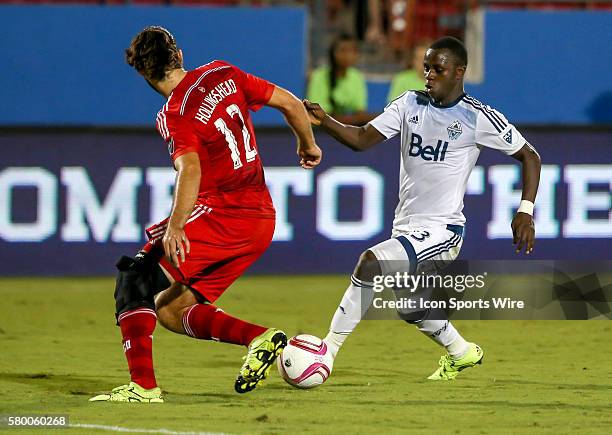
420,250
425,250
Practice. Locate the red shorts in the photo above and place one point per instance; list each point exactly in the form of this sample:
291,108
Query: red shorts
222,248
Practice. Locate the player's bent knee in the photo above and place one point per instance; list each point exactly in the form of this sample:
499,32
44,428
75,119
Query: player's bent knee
170,305
367,267
171,320
138,280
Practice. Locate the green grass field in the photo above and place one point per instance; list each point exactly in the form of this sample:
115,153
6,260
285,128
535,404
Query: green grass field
59,346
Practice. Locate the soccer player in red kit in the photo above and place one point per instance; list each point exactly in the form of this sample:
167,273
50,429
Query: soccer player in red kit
222,216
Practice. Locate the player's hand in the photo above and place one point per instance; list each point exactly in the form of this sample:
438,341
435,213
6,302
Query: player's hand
315,112
176,244
523,232
309,156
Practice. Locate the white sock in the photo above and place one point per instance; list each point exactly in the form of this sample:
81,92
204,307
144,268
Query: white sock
355,302
444,333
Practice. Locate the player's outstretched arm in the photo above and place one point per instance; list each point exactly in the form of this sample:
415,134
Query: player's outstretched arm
523,228
297,118
175,241
356,138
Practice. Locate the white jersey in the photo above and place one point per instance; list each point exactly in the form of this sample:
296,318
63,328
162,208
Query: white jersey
439,148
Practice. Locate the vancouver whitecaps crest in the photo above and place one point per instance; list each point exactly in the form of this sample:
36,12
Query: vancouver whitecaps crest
454,130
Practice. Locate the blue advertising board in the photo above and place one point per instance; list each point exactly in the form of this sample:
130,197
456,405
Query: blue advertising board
538,66
72,202
66,64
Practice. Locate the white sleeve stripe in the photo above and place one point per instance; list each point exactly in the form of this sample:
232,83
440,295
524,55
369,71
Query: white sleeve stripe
186,97
160,128
162,125
157,124
165,124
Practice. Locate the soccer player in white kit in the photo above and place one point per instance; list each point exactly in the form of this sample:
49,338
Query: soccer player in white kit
442,130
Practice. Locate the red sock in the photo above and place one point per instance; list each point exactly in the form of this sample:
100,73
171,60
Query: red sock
137,329
211,323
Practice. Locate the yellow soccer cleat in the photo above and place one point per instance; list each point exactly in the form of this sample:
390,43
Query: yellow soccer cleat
263,351
133,393
450,368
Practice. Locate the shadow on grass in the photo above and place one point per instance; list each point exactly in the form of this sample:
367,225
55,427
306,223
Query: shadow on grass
489,404
70,384
90,385
594,387
177,394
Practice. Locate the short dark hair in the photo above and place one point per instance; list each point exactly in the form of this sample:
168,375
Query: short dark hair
455,46
153,52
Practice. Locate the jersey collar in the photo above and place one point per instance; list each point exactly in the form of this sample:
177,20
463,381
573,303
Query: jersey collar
454,103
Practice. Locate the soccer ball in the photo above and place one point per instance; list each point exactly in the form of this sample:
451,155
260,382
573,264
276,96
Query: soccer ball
305,362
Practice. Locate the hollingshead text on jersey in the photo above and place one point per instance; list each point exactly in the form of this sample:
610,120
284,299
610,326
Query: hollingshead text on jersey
214,97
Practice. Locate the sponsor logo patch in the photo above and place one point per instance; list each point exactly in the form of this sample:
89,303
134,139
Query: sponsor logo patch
508,137
171,146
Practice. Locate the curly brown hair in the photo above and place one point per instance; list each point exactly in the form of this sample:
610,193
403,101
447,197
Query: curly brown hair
153,52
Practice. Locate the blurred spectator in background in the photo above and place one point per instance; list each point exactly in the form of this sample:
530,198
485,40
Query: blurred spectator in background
340,18
411,78
374,26
339,87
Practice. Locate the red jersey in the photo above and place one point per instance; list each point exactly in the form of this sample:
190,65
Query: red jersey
208,113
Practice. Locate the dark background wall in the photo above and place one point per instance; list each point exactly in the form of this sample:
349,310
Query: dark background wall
71,203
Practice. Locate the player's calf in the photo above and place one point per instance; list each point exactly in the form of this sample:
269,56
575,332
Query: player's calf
171,305
354,303
138,279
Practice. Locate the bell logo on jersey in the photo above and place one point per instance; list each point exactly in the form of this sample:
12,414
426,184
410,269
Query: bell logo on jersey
454,130
428,153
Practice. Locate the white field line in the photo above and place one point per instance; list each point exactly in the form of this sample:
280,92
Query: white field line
135,430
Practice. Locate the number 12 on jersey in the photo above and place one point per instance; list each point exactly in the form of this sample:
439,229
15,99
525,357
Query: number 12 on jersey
250,153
